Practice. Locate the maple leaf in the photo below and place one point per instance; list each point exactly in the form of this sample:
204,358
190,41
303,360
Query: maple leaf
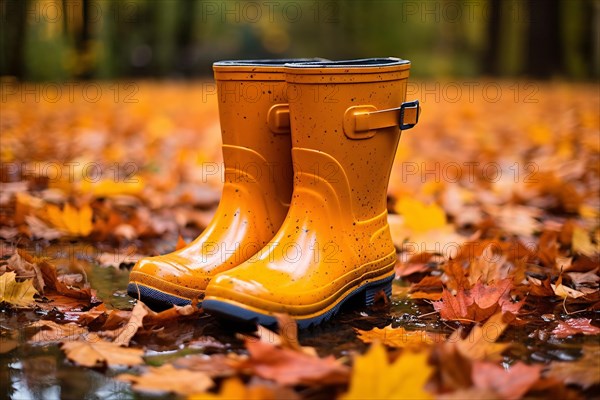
73,221
290,367
430,287
168,379
574,326
478,303
233,388
584,372
397,337
488,267
373,377
481,344
509,384
582,243
420,217
93,351
18,294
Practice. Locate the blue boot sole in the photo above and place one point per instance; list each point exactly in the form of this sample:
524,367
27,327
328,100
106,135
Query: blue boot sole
154,298
229,311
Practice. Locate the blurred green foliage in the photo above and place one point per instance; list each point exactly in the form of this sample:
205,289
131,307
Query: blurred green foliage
97,39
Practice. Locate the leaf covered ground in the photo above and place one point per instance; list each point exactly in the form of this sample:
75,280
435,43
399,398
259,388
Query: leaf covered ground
494,209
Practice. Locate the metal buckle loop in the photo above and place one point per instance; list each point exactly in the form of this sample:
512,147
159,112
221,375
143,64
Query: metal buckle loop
410,105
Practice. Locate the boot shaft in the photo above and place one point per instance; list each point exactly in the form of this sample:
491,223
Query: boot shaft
255,130
335,133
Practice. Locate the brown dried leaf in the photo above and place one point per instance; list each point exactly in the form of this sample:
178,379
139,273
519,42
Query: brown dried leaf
53,332
94,351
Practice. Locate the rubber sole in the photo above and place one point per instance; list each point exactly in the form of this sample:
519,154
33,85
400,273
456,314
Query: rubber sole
223,309
155,298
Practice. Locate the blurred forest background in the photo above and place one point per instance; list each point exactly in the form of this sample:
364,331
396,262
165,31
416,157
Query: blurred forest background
109,39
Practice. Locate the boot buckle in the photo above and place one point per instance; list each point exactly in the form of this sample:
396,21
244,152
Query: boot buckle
362,122
411,111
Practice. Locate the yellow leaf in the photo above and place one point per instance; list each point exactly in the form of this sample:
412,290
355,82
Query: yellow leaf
420,217
85,220
16,293
109,187
70,220
582,243
167,379
55,217
373,377
396,337
233,388
540,134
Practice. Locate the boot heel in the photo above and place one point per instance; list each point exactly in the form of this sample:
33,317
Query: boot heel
375,287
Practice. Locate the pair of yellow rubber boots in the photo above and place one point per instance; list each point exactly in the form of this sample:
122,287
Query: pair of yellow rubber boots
302,226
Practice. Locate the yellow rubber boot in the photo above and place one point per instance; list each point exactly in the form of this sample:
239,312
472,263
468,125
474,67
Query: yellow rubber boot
335,242
256,192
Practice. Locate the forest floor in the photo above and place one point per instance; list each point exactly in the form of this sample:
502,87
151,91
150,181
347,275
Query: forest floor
494,210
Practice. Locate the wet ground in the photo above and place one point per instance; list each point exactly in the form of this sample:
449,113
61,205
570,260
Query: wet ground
42,372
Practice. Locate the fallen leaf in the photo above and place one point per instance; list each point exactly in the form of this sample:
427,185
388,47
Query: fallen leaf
233,388
167,379
51,281
215,366
18,294
420,217
478,303
565,291
374,377
73,221
53,332
481,344
510,384
574,326
94,351
397,337
582,243
25,269
39,230
588,279
290,367
124,334
584,372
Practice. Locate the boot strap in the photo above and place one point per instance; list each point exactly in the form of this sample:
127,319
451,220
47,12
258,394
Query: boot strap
362,122
278,119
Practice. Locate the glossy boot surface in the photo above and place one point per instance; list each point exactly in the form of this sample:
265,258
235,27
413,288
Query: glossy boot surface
257,186
335,242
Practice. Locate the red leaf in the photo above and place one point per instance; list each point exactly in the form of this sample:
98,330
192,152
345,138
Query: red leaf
574,326
508,384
